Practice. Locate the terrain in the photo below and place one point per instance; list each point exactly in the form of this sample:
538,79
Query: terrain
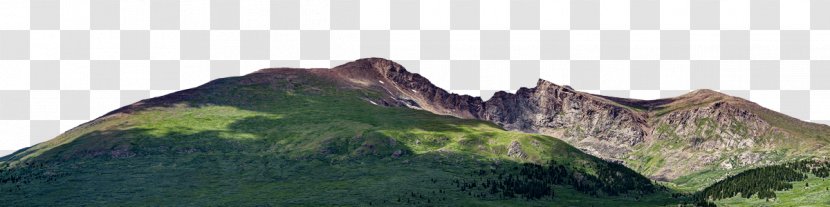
371,133
309,137
798,183
673,139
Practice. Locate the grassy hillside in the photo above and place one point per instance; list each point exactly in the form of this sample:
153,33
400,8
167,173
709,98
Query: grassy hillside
814,191
703,136
800,183
300,139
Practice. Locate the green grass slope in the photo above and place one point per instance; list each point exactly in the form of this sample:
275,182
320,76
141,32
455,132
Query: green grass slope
799,183
296,138
814,191
703,136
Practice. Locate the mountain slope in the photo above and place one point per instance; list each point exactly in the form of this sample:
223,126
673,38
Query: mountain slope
801,183
369,129
307,137
699,132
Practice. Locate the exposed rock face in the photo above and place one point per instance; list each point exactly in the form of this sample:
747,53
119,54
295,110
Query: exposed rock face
515,150
720,125
407,89
685,134
749,158
602,127
577,117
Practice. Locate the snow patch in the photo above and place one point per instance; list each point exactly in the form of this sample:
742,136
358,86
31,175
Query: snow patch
381,82
413,91
370,101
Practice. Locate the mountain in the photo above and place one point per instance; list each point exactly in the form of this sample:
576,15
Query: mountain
371,133
354,135
703,130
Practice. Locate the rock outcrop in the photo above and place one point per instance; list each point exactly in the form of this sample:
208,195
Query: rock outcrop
515,150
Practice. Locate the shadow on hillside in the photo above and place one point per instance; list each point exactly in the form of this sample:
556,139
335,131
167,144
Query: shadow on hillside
243,134
218,153
290,136
252,135
243,92
644,105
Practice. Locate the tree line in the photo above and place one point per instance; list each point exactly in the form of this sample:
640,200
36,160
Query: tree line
763,181
12,178
534,181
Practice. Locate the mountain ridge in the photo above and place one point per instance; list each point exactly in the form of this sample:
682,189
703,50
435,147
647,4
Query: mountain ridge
705,119
688,133
309,137
354,128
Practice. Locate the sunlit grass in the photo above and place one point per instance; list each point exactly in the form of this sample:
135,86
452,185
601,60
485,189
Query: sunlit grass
816,194
263,145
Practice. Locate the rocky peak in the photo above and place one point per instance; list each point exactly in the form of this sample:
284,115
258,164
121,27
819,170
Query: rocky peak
663,138
701,96
372,66
543,84
408,89
688,132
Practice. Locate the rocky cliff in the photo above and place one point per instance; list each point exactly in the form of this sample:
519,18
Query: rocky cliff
664,138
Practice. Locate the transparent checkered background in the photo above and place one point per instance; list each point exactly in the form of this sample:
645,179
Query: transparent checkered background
65,62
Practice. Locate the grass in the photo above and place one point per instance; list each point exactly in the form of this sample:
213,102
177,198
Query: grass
247,180
264,144
817,194
699,180
305,141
